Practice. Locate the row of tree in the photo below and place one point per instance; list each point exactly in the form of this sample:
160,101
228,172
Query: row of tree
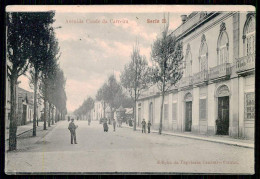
110,94
85,108
166,71
32,46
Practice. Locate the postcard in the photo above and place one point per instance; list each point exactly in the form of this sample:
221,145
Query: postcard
127,89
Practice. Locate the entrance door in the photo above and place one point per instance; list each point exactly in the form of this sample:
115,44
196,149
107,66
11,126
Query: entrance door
188,116
223,115
24,115
139,116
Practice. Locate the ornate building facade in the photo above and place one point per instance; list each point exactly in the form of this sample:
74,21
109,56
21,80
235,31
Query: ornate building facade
216,95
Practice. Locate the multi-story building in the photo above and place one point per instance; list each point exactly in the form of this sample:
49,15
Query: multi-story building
216,94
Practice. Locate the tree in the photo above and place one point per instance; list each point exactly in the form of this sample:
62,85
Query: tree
110,93
48,74
39,35
17,63
114,89
59,95
135,77
167,56
85,108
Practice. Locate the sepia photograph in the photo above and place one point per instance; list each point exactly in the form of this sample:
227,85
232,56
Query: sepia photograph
127,89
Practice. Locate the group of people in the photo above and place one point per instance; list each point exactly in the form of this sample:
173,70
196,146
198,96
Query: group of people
105,126
72,128
149,124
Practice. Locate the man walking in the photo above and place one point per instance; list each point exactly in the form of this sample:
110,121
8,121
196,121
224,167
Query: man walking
149,126
143,126
114,124
72,127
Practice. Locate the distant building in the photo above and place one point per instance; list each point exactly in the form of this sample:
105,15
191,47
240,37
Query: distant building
98,111
217,90
25,107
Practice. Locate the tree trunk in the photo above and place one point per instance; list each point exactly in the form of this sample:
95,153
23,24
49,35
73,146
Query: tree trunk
161,112
56,115
44,114
35,102
37,118
134,128
134,111
52,116
13,119
49,115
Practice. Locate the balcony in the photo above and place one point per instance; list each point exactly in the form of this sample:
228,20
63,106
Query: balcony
220,72
200,78
185,82
245,64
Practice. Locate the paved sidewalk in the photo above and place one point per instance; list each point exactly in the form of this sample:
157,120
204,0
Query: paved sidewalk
22,129
217,139
25,140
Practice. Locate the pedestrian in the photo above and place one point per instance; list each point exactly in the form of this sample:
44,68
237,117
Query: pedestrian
72,127
114,124
89,120
143,126
68,118
105,126
149,126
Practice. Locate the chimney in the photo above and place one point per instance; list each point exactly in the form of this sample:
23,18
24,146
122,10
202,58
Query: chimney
183,18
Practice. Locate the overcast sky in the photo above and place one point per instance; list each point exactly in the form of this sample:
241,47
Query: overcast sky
90,52
93,51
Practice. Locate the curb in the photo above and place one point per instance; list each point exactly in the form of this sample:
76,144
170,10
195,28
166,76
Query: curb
199,138
21,133
48,132
24,132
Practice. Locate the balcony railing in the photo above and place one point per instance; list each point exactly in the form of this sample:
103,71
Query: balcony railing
220,71
245,64
200,77
185,81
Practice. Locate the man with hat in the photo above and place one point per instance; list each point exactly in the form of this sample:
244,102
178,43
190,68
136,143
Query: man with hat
72,127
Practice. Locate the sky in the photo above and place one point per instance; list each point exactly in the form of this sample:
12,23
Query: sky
92,51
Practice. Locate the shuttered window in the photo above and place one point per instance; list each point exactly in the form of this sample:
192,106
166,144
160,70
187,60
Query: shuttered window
250,106
174,111
166,112
203,109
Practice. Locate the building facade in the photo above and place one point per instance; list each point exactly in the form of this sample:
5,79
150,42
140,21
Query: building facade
216,95
25,107
97,112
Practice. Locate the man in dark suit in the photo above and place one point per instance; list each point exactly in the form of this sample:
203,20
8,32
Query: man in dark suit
72,127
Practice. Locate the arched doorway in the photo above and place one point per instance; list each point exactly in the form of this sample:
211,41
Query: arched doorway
188,112
222,122
151,112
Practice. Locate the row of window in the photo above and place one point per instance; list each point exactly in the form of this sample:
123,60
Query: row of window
222,47
249,109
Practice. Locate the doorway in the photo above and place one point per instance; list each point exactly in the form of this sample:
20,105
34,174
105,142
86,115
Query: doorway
223,116
188,116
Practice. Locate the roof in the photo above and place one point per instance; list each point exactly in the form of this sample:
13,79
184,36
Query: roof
25,95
